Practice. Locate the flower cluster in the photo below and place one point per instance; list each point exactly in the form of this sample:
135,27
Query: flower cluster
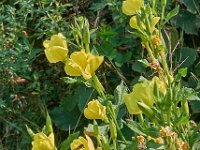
78,64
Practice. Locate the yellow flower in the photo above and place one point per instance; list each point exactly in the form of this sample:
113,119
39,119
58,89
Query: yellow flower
154,21
81,63
131,7
141,92
42,142
82,144
95,110
56,48
134,24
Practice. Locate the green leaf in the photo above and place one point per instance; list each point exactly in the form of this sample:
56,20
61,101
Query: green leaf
132,146
119,93
106,48
65,145
81,96
192,5
189,22
84,95
134,127
98,6
66,120
69,80
171,14
190,94
182,72
140,66
122,58
181,120
184,56
196,145
195,106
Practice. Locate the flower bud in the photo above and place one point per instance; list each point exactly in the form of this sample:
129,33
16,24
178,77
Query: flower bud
146,110
113,130
95,110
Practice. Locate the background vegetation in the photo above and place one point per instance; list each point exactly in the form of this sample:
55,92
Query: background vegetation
29,85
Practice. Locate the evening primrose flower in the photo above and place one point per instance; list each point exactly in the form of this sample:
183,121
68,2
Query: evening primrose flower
134,24
131,7
42,142
82,63
82,144
56,48
141,92
95,110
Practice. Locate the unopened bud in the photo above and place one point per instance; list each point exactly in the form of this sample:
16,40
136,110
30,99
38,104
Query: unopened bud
30,132
113,130
49,128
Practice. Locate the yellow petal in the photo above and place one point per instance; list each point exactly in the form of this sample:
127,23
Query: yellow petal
40,135
71,69
56,40
155,21
131,7
133,22
51,138
55,54
80,143
42,142
90,143
141,92
95,110
95,62
131,104
80,58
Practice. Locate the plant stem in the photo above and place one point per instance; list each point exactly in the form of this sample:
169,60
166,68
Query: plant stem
115,121
87,48
141,119
98,86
